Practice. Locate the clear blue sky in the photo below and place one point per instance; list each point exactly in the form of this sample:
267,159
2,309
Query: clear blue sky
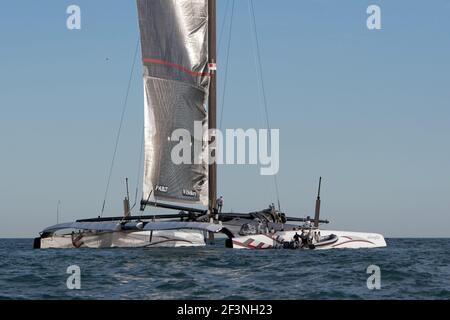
367,110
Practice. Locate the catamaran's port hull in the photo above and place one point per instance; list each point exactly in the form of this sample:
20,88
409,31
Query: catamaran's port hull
124,239
343,240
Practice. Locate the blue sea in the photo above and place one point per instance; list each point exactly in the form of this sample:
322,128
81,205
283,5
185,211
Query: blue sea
409,269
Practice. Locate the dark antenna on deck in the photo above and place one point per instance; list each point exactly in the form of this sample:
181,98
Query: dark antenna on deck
317,212
126,201
57,211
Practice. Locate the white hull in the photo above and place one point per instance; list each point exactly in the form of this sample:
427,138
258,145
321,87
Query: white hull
126,239
345,240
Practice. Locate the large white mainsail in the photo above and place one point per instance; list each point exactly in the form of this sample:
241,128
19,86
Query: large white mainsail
174,41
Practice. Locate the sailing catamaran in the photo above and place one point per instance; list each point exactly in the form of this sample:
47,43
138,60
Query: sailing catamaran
178,46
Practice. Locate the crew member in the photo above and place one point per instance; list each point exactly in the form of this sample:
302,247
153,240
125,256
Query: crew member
219,204
297,238
307,223
304,238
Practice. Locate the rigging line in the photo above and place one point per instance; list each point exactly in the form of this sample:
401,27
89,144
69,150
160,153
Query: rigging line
124,107
258,63
226,66
259,71
222,28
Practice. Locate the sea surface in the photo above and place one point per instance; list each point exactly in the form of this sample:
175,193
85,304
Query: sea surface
409,269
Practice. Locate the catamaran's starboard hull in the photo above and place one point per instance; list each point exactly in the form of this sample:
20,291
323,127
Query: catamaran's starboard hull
342,240
126,239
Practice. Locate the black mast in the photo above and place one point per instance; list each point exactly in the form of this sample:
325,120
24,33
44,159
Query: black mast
212,100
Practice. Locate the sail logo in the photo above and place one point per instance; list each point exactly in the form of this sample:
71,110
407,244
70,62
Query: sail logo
234,146
189,193
162,189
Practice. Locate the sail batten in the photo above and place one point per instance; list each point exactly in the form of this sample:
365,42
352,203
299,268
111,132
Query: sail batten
174,42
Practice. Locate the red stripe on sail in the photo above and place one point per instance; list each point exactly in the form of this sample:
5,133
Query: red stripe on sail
176,66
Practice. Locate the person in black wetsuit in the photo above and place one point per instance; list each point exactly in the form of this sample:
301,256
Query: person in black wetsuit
304,239
294,243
